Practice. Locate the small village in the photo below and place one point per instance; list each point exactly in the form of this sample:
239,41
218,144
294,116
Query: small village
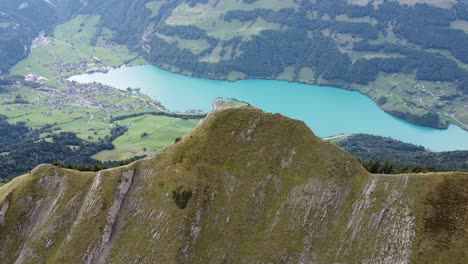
437,104
72,95
95,95
76,96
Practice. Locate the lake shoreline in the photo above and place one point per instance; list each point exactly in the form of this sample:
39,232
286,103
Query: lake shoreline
315,105
441,125
346,87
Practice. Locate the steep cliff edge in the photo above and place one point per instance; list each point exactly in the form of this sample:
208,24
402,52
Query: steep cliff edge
243,187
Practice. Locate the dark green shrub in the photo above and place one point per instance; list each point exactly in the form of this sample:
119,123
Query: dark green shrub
181,198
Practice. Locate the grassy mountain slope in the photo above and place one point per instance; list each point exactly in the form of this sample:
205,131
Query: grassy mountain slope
244,186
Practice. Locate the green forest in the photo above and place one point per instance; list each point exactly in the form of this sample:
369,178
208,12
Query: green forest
386,155
22,149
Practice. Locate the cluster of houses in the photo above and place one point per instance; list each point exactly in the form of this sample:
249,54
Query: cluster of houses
35,78
94,95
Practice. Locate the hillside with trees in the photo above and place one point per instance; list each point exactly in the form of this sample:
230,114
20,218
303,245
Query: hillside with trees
386,155
410,59
23,148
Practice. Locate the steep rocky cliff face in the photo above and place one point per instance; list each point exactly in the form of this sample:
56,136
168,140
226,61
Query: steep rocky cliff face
244,187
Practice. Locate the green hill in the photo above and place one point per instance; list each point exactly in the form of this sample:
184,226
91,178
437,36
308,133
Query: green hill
243,187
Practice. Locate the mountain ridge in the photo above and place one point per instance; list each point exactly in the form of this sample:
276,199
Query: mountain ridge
262,188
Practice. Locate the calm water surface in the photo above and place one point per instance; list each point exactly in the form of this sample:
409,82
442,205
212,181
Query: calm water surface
327,111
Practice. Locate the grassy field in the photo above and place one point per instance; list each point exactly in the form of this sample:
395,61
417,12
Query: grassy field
235,75
196,46
38,62
160,131
210,17
215,55
287,74
365,19
219,28
438,3
306,75
89,123
79,32
460,24
154,6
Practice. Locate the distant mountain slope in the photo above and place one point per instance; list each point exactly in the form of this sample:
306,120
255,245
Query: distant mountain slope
21,22
245,186
403,156
409,56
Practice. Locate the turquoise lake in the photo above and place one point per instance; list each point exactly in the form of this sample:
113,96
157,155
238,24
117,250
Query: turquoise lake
327,111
